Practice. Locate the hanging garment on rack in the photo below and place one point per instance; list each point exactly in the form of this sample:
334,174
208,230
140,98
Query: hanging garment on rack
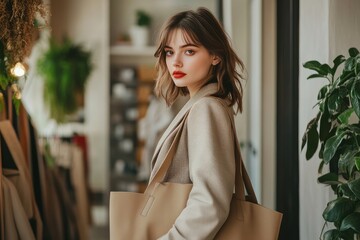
80,140
24,134
15,171
60,176
69,184
81,196
16,224
54,213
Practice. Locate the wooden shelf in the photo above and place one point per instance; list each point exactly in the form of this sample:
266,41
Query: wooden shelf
125,50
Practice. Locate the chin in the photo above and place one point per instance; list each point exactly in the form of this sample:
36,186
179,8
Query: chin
179,83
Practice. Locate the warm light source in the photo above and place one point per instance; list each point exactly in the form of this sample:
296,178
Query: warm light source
18,70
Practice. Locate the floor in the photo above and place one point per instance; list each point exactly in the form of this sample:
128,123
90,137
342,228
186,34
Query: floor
100,229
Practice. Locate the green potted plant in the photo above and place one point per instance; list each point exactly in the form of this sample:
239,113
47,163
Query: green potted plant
336,129
139,33
65,68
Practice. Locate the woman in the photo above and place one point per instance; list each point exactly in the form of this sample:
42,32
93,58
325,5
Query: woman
195,58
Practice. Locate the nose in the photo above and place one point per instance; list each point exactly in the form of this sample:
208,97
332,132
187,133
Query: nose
177,61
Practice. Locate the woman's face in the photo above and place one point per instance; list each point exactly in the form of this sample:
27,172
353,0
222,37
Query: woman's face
189,64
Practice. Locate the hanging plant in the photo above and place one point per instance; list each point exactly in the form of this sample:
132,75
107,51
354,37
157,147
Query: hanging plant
19,26
65,68
336,129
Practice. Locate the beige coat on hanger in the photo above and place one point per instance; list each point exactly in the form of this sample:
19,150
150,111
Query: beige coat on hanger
204,157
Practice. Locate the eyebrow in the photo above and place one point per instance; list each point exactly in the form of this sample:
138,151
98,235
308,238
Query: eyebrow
184,46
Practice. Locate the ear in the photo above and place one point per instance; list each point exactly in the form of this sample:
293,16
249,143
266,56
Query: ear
215,60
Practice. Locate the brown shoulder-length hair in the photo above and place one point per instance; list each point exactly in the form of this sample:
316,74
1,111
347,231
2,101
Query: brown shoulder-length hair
202,28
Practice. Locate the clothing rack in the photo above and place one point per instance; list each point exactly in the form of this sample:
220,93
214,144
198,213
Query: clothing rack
51,201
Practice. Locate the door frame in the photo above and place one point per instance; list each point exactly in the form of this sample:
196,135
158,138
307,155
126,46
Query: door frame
287,145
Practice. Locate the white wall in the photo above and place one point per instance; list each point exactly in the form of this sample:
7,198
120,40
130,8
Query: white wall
313,44
254,88
86,22
344,27
327,29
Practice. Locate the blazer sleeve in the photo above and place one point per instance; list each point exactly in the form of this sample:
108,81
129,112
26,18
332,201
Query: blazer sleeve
212,172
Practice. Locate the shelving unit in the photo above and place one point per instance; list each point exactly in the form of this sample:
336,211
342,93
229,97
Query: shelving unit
131,85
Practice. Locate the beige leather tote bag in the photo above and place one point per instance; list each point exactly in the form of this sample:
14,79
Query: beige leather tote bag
148,216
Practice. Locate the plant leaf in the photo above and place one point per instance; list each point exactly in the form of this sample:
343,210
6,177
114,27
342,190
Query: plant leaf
357,65
333,102
332,145
347,234
322,92
321,165
326,68
355,97
353,52
346,191
346,161
357,163
321,152
349,64
312,141
4,81
316,66
354,129
325,125
337,209
316,75
351,221
303,140
329,178
308,127
344,116
346,76
332,234
355,187
337,61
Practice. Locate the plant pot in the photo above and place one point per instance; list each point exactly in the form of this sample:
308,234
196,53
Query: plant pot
79,99
139,36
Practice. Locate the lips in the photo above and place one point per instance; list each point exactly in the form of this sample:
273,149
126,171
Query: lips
178,74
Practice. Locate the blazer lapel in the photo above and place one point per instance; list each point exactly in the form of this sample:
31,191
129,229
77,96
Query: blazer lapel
204,91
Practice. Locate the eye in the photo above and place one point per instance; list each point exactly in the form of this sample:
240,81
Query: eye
168,52
189,52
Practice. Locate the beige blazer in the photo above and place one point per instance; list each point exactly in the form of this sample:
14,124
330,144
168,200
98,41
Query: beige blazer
204,157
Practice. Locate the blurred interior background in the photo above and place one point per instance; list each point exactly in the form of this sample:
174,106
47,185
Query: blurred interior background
106,143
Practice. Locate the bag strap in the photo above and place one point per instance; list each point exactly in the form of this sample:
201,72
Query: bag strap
241,176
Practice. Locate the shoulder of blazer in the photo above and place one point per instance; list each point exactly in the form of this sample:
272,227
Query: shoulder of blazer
214,104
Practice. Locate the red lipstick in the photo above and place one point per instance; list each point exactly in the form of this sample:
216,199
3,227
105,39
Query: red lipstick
178,74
